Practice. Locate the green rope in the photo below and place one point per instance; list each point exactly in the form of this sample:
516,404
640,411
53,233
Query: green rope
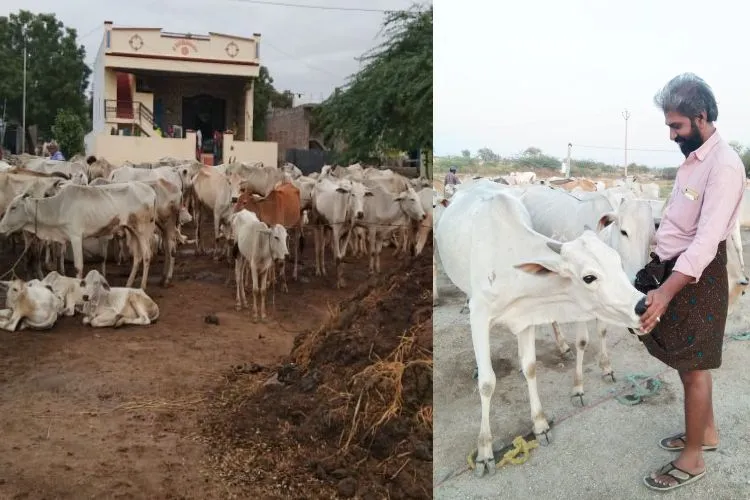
741,336
653,386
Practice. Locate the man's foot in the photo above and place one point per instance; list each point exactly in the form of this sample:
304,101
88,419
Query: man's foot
677,443
670,477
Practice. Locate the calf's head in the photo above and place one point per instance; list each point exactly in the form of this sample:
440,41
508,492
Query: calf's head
279,242
597,283
15,289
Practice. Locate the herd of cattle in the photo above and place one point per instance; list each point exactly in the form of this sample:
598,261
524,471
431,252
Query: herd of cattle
87,209
527,254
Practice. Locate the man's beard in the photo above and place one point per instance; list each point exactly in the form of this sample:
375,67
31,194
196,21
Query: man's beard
690,143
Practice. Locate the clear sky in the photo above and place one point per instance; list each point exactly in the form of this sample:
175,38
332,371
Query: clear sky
307,51
513,74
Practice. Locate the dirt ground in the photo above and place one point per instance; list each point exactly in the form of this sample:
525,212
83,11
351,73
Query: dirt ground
105,413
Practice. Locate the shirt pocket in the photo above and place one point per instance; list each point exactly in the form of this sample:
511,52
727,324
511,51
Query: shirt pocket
686,209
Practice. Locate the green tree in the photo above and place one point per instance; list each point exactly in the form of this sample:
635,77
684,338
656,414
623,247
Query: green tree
56,75
488,156
265,94
68,131
466,153
388,103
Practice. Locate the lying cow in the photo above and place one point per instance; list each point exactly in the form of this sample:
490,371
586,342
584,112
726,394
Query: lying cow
115,306
69,290
33,306
532,281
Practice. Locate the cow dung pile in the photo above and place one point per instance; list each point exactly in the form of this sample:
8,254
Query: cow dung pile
348,414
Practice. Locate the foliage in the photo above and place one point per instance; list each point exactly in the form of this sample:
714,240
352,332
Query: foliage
388,103
531,159
68,132
264,93
744,153
56,75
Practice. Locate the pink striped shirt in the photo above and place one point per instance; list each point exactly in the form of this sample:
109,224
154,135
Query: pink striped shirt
703,207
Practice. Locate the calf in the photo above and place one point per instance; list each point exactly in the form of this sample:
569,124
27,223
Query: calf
115,306
281,206
32,306
68,289
257,247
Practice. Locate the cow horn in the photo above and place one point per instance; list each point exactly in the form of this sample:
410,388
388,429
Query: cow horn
554,246
586,227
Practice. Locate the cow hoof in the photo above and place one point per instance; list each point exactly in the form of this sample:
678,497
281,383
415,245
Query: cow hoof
238,307
611,375
544,438
255,319
485,467
579,395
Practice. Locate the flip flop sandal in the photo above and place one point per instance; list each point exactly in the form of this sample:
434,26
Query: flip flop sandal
681,437
680,475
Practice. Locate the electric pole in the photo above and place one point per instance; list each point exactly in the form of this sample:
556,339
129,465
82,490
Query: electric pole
23,109
569,147
626,115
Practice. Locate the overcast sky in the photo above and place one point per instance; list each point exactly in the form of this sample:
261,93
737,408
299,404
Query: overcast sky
307,51
513,74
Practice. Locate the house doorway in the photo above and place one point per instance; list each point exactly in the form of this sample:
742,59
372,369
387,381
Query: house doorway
205,113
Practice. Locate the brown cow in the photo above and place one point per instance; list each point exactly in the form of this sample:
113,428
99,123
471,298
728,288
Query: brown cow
281,206
572,183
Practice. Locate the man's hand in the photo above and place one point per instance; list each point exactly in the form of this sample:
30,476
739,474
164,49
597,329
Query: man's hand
656,303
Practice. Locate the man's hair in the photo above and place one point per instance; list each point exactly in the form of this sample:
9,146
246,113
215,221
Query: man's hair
688,95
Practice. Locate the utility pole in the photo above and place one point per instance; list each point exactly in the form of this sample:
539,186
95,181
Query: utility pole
23,109
626,115
569,147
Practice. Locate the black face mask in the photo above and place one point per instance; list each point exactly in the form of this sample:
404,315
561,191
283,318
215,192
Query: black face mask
691,142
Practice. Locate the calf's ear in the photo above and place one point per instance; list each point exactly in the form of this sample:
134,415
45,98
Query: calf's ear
540,266
606,220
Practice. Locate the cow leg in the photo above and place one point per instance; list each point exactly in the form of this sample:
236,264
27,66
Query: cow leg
104,319
282,273
296,239
434,281
480,336
144,241
39,255
240,282
197,216
135,250
141,317
104,249
76,244
337,253
169,242
604,362
527,350
61,248
378,250
562,345
582,339
372,237
318,237
9,320
263,288
256,291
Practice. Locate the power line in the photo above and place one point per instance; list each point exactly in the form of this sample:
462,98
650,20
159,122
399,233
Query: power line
315,68
316,7
90,32
628,149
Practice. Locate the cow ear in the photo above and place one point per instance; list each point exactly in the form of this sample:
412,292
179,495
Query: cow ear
340,190
105,285
540,267
606,220
83,284
369,193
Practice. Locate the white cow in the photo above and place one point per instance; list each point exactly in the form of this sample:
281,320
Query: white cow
744,217
212,191
519,278
115,306
79,212
258,248
384,214
627,227
32,306
337,203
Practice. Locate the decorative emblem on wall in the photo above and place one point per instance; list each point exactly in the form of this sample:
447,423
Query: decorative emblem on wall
184,47
232,49
136,42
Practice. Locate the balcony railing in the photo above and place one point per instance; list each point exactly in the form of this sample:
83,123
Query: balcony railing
129,110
